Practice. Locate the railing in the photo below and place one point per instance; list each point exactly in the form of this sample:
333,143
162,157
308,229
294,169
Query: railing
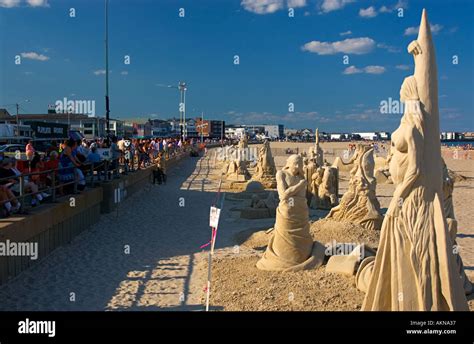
103,171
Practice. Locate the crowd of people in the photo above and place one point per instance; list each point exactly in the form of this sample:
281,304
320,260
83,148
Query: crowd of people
63,167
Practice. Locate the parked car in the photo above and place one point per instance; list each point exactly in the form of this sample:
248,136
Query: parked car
11,148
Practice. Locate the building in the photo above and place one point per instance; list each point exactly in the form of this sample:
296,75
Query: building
234,133
160,128
276,131
451,136
213,129
89,126
272,131
217,129
142,129
371,136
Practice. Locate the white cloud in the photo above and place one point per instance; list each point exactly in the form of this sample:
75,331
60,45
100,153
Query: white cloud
296,3
268,117
357,46
389,48
413,30
403,67
99,72
346,33
16,3
352,70
34,56
368,70
369,12
374,70
390,9
38,3
9,3
270,6
334,5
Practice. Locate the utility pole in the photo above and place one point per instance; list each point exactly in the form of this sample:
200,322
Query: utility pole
202,126
17,120
107,101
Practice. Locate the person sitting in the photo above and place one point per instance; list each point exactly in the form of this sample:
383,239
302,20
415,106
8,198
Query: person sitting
34,181
52,165
69,164
8,202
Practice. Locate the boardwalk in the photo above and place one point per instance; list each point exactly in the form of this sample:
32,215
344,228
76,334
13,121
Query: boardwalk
96,272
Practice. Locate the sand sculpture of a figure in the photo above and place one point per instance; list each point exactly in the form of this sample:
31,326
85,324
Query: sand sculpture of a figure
359,204
327,188
349,166
309,169
265,170
415,267
291,246
237,171
448,187
243,142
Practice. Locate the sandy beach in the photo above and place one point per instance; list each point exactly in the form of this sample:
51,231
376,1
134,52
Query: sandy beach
165,226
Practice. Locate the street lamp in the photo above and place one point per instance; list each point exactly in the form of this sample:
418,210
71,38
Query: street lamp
182,87
107,100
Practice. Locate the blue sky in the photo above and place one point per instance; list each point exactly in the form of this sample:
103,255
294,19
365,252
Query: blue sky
283,59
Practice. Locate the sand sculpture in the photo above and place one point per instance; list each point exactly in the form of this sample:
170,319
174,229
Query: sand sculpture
382,174
291,246
448,187
415,268
327,188
359,204
322,181
310,169
349,166
265,170
237,171
319,154
243,142
260,208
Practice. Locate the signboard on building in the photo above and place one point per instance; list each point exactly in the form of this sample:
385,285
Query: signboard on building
46,130
202,127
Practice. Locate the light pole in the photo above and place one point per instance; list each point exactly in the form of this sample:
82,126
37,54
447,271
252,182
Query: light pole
182,107
107,101
17,105
182,87
202,126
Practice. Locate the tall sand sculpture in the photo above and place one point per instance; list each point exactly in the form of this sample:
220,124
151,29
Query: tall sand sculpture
415,266
359,204
265,170
291,247
319,154
310,169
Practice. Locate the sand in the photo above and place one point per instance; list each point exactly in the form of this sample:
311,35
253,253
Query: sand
167,270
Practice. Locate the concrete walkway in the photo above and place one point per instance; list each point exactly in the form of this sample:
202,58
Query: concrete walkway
97,272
